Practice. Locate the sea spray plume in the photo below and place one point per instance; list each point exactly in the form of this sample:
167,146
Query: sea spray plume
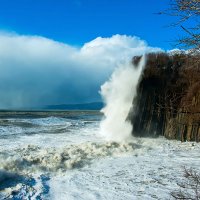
118,94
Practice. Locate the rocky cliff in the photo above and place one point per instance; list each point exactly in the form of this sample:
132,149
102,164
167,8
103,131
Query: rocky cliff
168,97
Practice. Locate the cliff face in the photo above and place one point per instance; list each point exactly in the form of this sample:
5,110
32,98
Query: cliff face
168,99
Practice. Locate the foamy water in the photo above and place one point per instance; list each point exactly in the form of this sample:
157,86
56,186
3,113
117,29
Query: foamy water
62,156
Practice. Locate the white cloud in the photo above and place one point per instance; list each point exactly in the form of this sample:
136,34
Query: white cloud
37,71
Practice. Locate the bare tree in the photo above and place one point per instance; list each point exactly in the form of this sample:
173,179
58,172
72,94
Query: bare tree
188,14
190,187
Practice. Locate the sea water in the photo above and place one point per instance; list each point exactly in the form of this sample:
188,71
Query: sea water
62,156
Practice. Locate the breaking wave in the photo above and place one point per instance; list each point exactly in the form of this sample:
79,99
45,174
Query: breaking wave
35,158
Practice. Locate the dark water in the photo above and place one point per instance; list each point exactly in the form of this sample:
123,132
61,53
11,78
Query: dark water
43,114
34,122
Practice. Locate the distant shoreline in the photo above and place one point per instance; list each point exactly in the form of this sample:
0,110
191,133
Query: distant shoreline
6,114
94,106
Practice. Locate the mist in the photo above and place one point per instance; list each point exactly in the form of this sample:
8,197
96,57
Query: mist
118,93
37,71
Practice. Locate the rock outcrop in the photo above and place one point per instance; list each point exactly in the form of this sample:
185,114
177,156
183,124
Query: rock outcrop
168,97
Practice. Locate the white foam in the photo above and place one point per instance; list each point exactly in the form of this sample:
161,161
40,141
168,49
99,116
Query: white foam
35,158
80,165
150,172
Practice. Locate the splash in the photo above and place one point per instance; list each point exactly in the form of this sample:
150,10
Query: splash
33,158
118,94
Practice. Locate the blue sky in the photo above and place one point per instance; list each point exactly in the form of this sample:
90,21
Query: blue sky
78,21
62,51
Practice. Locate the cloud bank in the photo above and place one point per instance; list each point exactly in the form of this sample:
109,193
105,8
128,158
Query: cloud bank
36,71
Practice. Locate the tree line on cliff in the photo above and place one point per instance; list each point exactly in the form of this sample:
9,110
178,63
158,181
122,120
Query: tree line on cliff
168,97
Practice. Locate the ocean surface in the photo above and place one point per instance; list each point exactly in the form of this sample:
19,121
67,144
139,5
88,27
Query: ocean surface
62,156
